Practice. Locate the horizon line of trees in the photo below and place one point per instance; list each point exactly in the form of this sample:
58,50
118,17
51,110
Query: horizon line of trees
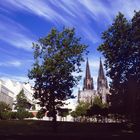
97,112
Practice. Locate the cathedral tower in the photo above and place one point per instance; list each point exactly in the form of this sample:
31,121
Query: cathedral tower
88,93
88,81
102,86
102,81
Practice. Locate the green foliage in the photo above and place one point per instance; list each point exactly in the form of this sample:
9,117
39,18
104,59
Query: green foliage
97,101
13,115
4,107
74,114
63,112
4,116
97,107
4,111
81,109
121,49
7,114
21,114
22,102
40,114
57,56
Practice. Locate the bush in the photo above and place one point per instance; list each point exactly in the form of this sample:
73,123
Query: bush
21,114
4,107
13,115
40,114
5,115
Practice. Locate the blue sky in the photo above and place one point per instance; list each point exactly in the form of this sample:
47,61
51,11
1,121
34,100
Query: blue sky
25,21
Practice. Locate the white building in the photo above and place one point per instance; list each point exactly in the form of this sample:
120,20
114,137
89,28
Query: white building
6,95
9,89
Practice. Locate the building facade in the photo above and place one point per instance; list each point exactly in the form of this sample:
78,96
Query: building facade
88,93
6,95
9,89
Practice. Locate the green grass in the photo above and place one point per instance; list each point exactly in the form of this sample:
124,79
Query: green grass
30,129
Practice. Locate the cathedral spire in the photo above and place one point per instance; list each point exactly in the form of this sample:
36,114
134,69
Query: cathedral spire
101,71
87,76
102,81
88,81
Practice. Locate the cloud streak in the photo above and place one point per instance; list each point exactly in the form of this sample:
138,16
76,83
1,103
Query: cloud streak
15,34
20,78
14,63
79,13
61,13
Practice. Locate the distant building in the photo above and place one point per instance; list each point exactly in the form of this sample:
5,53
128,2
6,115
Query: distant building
9,89
89,92
6,95
102,85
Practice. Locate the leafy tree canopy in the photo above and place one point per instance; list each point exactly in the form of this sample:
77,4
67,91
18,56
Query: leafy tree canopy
63,112
81,109
97,107
57,56
121,49
4,107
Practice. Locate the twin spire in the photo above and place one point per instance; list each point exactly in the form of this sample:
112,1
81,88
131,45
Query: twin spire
102,81
87,76
101,71
88,80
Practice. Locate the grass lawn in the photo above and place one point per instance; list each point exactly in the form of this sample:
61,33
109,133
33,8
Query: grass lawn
33,129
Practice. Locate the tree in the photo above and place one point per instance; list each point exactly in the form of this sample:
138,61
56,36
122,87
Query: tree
57,56
81,109
21,114
4,107
97,108
41,113
74,115
22,102
121,49
4,111
63,112
134,71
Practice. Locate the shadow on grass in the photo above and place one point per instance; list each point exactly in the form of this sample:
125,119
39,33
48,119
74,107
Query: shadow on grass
20,130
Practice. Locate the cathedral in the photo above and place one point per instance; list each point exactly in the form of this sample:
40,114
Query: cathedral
88,93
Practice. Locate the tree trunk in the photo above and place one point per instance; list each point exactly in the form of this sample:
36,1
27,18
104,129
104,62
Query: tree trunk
132,95
54,121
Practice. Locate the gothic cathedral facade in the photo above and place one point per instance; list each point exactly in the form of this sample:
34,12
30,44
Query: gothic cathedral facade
88,93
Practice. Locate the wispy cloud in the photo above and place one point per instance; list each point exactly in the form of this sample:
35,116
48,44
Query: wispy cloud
18,78
15,34
39,8
67,13
105,11
14,63
126,7
77,13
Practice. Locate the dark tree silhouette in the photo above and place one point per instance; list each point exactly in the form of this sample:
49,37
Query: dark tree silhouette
57,56
121,49
63,113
